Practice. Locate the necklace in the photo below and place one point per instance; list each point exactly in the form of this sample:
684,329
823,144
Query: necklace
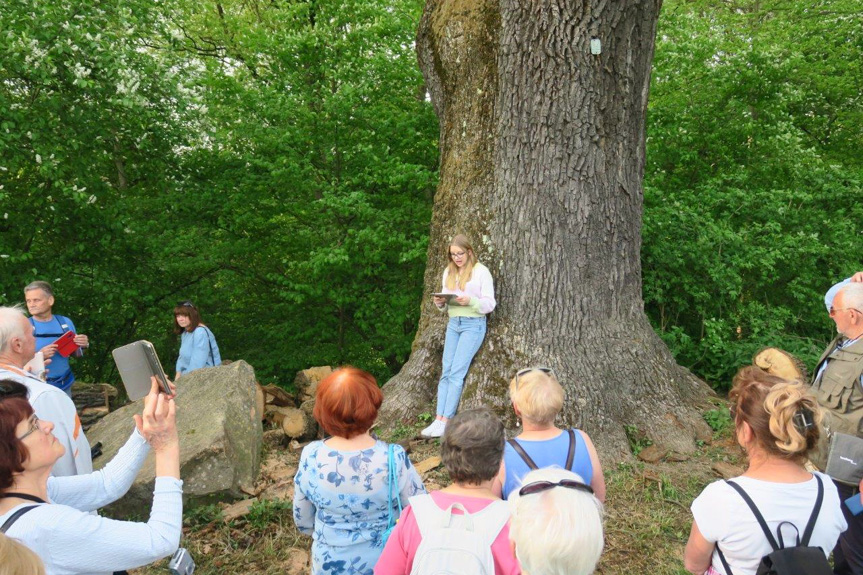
26,496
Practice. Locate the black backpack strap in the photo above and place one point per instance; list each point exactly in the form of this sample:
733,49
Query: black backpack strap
724,562
15,517
571,455
810,527
757,514
523,454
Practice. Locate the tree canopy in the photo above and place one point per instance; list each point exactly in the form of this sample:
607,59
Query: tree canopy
276,163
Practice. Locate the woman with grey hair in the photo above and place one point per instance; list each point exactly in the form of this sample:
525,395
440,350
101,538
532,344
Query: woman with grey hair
463,527
556,525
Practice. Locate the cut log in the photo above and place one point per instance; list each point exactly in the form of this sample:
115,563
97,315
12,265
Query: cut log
295,423
315,431
275,395
276,415
260,400
780,363
427,465
307,381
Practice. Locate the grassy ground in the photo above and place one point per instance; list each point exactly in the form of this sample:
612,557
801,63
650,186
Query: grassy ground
646,525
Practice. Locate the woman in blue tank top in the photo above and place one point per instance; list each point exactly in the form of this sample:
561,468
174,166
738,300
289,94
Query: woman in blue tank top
537,398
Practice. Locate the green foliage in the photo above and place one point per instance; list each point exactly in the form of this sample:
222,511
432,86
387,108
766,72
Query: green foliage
637,439
274,163
752,192
266,513
197,517
402,431
718,419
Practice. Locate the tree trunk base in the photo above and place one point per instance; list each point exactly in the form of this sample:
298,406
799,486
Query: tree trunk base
656,399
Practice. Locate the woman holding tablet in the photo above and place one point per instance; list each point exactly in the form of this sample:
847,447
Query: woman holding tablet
468,297
51,515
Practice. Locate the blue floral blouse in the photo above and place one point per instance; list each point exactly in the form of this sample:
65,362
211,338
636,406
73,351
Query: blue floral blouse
340,498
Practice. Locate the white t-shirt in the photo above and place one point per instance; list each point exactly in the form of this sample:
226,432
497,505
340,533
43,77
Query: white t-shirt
52,404
724,518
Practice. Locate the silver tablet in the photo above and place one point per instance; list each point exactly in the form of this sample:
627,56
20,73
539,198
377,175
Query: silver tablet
137,362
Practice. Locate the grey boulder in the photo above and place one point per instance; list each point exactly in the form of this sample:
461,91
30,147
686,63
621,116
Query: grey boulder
220,438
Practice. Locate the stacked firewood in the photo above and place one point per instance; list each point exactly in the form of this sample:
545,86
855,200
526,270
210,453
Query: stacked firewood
293,412
93,401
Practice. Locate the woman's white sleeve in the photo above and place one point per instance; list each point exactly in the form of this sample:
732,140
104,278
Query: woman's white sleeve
94,490
486,302
85,543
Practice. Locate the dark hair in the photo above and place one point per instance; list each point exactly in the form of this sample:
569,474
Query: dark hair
784,417
189,310
347,402
472,446
44,286
14,408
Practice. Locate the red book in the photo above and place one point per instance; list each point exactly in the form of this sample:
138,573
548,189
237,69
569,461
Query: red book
66,345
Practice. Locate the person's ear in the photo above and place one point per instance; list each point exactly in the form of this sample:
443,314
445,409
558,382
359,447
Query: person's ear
50,301
744,434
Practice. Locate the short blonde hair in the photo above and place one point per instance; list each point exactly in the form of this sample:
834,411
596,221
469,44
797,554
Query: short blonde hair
558,531
18,559
537,395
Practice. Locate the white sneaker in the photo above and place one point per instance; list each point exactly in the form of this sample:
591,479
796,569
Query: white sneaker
427,431
438,430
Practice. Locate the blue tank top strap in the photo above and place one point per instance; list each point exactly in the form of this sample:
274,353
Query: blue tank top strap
548,453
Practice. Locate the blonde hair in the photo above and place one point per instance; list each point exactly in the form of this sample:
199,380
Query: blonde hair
784,417
558,531
18,559
537,395
453,272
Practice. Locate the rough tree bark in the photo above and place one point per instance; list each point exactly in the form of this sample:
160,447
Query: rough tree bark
542,158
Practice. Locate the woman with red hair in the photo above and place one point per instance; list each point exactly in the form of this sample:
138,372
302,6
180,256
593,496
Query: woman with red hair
342,495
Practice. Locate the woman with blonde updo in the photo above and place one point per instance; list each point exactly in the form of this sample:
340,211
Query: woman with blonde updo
777,424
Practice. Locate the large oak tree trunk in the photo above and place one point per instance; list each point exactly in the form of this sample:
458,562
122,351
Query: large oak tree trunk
542,158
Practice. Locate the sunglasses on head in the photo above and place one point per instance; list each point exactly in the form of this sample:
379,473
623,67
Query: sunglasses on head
186,304
525,371
540,486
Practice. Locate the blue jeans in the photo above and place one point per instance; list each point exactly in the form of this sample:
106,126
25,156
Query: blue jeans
464,335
